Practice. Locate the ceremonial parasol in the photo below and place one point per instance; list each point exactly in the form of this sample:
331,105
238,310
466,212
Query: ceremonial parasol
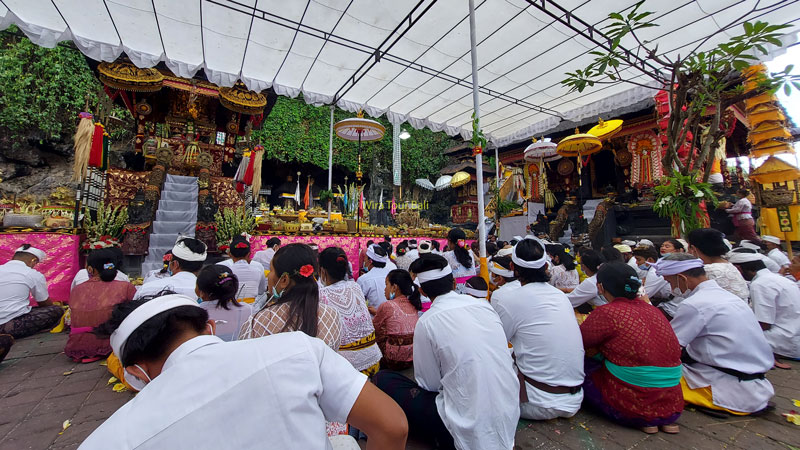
443,182
424,183
541,151
605,130
460,179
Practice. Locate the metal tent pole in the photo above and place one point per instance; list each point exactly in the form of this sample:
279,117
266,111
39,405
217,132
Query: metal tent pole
479,157
330,164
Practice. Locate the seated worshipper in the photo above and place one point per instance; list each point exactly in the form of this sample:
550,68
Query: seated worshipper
539,322
502,275
396,319
671,246
466,394
83,275
403,261
634,378
372,282
294,303
775,253
414,249
88,309
708,244
657,290
163,272
477,287
289,381
217,286
357,342
265,256
725,355
459,257
424,247
586,292
776,304
250,274
435,248
387,247
19,283
563,275
627,256
187,259
612,254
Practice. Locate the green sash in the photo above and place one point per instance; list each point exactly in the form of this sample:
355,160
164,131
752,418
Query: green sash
646,376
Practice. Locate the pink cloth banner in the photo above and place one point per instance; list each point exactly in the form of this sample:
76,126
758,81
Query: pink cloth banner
62,261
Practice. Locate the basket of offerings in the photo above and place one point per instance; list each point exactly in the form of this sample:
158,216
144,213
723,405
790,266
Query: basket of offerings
306,227
780,196
291,227
340,227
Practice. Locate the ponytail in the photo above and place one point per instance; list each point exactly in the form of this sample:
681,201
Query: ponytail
220,283
402,279
457,237
104,262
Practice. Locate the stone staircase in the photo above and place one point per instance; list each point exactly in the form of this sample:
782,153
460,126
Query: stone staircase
176,215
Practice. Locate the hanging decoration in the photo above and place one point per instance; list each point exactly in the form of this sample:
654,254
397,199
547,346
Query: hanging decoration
645,150
83,145
242,171
257,156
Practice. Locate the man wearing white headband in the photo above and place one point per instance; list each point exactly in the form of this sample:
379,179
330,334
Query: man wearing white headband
188,256
502,276
373,281
255,381
18,283
539,322
466,393
775,253
776,304
726,354
586,292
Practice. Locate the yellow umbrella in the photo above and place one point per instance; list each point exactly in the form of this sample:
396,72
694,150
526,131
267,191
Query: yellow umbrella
605,130
460,179
579,144
775,170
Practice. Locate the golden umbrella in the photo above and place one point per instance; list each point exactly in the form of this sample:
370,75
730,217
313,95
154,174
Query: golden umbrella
604,130
460,179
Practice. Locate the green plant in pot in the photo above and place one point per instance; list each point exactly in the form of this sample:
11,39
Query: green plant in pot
680,198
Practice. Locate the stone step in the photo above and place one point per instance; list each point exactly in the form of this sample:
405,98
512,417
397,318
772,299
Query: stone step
180,179
173,205
185,188
169,228
179,196
177,216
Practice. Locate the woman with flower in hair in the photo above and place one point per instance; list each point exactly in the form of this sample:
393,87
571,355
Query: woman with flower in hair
293,303
216,289
460,258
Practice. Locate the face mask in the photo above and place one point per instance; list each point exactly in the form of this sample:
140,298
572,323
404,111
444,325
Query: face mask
365,269
677,292
644,267
135,382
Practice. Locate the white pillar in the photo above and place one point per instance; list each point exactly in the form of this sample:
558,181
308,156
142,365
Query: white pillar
330,162
478,158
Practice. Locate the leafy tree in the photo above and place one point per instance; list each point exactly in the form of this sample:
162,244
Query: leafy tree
701,84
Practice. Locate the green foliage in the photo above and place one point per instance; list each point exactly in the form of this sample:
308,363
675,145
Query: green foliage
680,197
109,222
504,207
298,132
233,222
478,139
325,195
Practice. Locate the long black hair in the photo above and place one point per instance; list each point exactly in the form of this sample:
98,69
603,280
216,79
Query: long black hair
402,279
303,297
220,283
619,279
334,261
564,258
104,262
462,255
709,241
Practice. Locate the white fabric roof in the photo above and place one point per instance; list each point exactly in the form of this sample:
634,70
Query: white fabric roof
317,47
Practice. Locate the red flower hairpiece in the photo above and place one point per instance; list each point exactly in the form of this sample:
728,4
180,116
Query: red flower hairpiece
306,270
241,245
461,243
340,258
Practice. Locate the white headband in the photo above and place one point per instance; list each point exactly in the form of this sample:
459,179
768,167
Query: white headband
497,269
181,251
538,264
475,292
749,245
144,313
435,274
39,254
425,247
672,267
505,251
374,256
772,239
743,257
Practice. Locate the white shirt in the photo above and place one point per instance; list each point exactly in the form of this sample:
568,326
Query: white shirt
181,283
718,329
17,283
252,281
770,263
154,275
741,209
373,285
473,372
728,277
459,271
228,321
539,321
586,292
276,391
776,301
505,290
264,257
655,286
83,276
639,272
779,257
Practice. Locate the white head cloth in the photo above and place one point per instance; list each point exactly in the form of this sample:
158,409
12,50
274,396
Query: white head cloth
517,238
425,247
142,314
623,248
412,244
505,251
684,244
538,264
629,243
671,267
497,269
39,254
727,244
474,292
374,256
646,243
181,251
435,274
743,257
773,239
749,245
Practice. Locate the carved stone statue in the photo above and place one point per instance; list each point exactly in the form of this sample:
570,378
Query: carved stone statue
206,209
140,209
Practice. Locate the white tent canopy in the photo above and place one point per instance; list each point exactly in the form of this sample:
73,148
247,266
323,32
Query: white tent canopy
409,60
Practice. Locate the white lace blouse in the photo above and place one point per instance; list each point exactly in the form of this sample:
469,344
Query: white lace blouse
562,278
728,277
355,321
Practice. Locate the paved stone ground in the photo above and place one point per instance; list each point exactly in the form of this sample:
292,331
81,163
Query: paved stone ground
36,397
